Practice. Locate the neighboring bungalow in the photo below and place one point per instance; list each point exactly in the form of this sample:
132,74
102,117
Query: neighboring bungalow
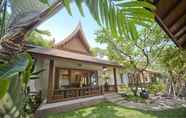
144,78
71,71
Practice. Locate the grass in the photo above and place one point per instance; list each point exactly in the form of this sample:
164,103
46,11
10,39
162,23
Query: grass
109,110
135,98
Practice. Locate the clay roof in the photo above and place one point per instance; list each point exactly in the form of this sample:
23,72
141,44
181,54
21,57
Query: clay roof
51,52
171,16
77,31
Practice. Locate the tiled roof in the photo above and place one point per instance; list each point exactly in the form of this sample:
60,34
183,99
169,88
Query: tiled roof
51,52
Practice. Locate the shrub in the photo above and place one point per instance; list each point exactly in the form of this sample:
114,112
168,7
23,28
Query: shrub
124,89
156,87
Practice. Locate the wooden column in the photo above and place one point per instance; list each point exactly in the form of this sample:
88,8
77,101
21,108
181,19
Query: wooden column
70,76
115,80
56,84
50,81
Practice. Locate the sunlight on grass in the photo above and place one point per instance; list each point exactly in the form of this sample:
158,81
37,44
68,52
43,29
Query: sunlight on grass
109,110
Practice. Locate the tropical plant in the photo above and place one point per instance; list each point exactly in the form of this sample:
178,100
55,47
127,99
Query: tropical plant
156,87
173,60
120,16
14,78
40,38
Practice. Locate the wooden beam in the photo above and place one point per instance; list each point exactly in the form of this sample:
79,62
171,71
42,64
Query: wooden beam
50,81
176,13
182,40
164,7
115,80
164,27
178,25
181,32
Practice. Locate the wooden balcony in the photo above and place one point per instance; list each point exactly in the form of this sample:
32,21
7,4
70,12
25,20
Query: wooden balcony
74,93
109,88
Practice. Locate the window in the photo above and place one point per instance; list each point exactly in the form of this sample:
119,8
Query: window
62,78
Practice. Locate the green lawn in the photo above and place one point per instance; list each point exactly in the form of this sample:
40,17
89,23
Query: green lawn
109,110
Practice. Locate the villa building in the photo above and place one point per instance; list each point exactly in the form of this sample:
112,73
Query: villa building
71,72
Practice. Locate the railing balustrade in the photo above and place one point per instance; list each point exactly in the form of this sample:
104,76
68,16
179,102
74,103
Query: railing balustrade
110,88
71,93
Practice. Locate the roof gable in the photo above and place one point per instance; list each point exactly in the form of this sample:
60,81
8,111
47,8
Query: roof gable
75,42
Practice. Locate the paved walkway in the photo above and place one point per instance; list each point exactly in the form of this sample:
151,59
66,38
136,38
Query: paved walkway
154,104
67,105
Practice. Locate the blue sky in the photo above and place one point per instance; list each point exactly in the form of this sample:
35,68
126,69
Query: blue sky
62,24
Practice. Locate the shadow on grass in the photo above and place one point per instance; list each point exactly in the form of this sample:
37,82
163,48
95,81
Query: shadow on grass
170,113
109,110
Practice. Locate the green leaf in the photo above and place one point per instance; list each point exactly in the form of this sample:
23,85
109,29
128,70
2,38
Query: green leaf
38,72
137,4
94,10
67,6
4,85
44,1
19,64
33,77
28,71
79,5
138,12
133,31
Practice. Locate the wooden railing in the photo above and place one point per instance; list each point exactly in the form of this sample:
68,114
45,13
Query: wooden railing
109,88
73,93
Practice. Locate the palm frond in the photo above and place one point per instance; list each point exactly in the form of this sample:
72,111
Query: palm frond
118,15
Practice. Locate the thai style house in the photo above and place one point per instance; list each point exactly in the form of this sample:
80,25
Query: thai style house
71,71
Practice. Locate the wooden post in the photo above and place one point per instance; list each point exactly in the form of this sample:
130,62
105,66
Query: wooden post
56,84
70,76
115,80
50,81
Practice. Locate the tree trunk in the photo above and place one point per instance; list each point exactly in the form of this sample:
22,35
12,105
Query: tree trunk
134,88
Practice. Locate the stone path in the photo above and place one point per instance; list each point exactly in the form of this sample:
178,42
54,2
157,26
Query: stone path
65,106
155,104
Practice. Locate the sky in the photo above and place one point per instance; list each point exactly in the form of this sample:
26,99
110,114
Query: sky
62,24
